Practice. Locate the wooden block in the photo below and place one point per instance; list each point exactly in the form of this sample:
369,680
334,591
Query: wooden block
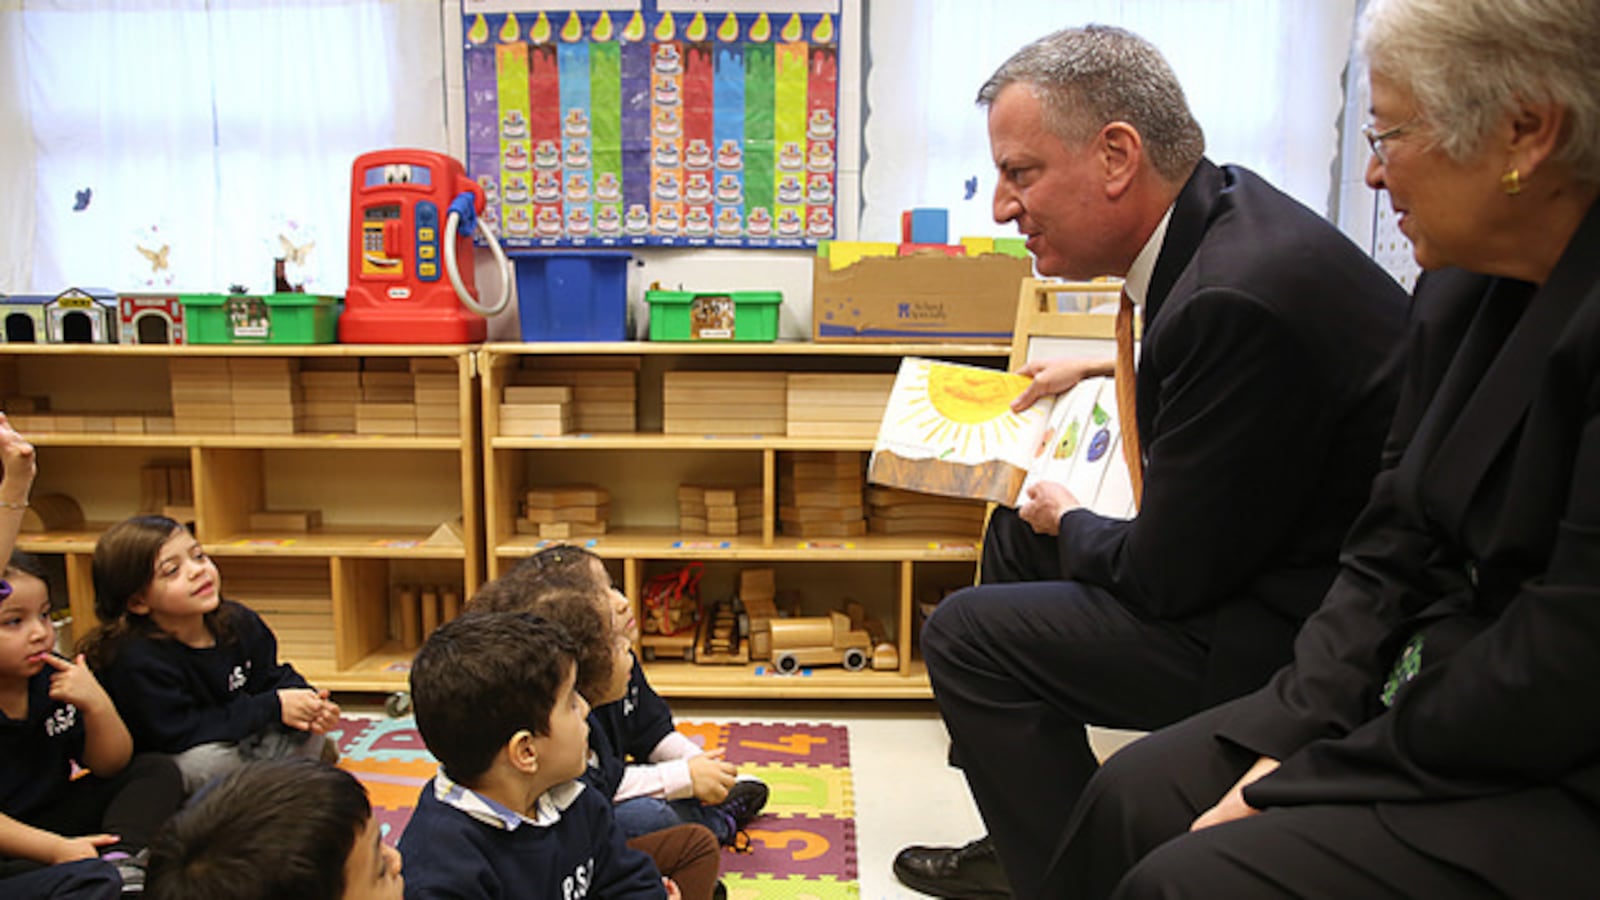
716,515
247,397
334,424
298,520
566,495
548,515
433,364
127,424
947,510
385,364
379,378
450,602
203,410
22,405
279,410
330,364
265,426
328,408
823,470
825,529
51,512
261,365
70,423
436,382
401,427
198,367
410,619
438,427
386,394
428,600
450,398
820,513
94,424
722,529
930,525
571,529
526,394
189,425
340,381
157,424
385,411
438,411
535,427
833,499
692,524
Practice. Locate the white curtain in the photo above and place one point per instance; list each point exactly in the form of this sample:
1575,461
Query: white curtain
1262,76
184,145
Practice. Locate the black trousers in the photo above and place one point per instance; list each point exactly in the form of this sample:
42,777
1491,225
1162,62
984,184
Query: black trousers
1018,669
131,804
1129,836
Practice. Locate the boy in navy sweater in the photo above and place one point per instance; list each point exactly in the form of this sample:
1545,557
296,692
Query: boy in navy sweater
497,703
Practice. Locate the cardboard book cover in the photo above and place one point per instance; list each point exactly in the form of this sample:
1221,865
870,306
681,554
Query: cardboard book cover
949,430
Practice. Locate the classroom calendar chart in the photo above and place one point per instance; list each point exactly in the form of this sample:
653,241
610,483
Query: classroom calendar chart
654,122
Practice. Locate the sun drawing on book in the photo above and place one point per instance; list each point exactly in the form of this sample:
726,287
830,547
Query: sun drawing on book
960,406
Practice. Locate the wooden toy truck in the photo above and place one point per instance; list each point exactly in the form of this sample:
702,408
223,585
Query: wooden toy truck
835,639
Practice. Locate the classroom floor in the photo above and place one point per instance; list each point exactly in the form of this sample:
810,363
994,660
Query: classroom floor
904,791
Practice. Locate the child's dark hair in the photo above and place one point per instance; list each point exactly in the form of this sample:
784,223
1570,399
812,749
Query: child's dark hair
571,599
124,564
558,558
278,830
28,564
481,678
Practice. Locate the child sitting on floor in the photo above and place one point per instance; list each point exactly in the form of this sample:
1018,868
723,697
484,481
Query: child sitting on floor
193,674
61,837
497,703
668,778
685,852
290,829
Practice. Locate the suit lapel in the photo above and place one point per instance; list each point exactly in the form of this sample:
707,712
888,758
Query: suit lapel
1191,212
1497,406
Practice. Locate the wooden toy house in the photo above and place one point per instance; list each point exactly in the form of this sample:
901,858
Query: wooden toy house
22,318
78,316
151,319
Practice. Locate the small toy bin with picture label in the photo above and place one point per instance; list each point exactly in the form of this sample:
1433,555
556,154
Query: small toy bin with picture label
260,318
703,316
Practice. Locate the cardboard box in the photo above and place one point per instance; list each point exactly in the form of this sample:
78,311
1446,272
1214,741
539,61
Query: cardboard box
925,297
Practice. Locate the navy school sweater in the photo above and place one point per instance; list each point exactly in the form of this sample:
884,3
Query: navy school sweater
173,696
628,728
36,752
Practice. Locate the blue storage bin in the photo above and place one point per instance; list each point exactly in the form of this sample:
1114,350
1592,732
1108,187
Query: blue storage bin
573,295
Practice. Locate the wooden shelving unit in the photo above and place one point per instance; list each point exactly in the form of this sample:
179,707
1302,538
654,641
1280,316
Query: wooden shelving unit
326,592
642,470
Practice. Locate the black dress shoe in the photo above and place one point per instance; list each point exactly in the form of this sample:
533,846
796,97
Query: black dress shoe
959,873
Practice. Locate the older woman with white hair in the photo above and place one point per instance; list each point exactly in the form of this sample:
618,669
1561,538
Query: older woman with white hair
1438,733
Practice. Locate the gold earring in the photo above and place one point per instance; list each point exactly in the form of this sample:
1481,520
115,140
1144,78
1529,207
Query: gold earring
1511,182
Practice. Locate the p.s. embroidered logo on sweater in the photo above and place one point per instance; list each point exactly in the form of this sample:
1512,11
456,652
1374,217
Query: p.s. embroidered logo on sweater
61,721
238,677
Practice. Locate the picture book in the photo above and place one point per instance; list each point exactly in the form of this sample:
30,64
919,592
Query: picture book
949,430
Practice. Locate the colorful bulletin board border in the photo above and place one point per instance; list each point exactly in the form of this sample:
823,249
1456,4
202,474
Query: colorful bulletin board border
654,122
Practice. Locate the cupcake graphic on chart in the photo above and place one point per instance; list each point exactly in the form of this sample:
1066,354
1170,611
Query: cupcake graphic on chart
546,188
697,155
607,221
730,189
517,188
666,123
666,156
606,188
730,156
728,224
513,124
819,190
549,222
517,221
791,158
760,222
546,155
789,223
490,187
667,62
667,220
820,126
697,222
577,187
515,157
636,220
666,92
789,189
697,188
820,223
577,154
666,186
578,221
821,157
576,123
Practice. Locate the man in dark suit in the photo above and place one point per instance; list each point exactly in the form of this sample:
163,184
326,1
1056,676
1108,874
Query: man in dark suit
1265,387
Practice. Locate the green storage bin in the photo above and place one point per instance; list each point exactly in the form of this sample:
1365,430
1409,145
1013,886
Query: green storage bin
706,316
260,319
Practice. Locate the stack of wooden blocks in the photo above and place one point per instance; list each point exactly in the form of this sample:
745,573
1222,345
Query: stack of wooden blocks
719,511
299,521
835,405
733,403
202,398
416,610
758,592
605,390
893,511
528,411
167,488
436,390
265,394
331,389
565,511
820,494
388,398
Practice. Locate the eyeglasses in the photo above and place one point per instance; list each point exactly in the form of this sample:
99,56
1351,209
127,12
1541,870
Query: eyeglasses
1375,139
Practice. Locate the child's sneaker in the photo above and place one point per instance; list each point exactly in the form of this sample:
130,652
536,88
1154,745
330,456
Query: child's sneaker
745,801
131,868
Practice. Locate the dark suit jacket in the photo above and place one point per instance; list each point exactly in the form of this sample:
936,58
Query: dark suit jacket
1483,534
1266,381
